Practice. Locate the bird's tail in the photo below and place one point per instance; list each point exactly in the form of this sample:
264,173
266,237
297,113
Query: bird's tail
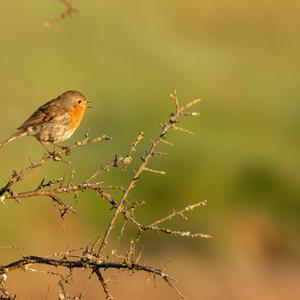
12,137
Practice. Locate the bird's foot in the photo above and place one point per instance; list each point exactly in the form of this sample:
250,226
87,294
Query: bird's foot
67,149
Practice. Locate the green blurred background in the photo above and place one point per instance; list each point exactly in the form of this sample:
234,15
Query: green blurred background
242,59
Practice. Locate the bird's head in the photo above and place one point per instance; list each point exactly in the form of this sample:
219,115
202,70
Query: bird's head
74,100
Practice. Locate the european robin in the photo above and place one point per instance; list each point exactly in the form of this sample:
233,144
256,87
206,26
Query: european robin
54,121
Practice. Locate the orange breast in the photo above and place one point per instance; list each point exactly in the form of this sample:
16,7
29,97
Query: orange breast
76,114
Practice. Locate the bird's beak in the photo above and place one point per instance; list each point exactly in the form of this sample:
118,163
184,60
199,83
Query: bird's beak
89,104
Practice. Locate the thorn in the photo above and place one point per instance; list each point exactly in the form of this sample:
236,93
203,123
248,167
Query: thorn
154,171
182,129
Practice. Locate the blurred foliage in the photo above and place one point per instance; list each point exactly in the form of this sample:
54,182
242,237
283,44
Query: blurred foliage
242,58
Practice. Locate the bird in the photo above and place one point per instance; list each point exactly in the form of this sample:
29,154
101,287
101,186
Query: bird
55,121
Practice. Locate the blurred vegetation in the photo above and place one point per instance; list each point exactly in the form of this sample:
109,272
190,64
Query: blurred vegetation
242,58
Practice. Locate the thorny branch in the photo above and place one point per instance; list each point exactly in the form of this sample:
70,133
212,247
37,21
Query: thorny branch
165,127
98,257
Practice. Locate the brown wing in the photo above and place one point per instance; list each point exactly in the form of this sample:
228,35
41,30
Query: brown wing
44,114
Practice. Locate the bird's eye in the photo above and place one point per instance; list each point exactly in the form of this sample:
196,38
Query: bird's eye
79,101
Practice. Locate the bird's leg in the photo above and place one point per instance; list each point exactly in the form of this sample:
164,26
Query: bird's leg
44,146
54,155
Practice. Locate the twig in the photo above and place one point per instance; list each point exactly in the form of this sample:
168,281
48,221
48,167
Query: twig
108,296
69,12
179,213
